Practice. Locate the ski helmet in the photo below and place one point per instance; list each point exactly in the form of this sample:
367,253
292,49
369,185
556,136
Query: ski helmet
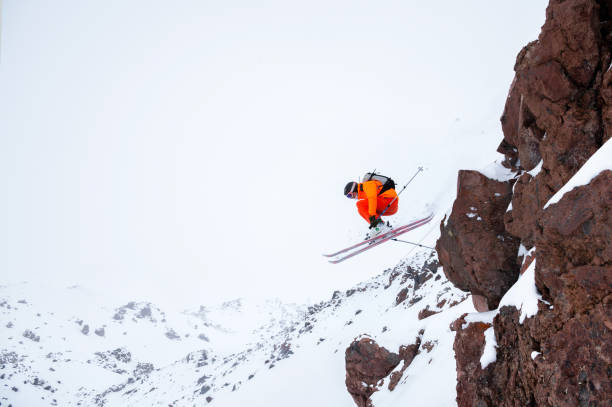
350,189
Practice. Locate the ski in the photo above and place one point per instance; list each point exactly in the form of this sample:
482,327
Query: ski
370,243
383,239
374,239
380,241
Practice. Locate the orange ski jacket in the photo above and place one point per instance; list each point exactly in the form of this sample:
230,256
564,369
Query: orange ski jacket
369,190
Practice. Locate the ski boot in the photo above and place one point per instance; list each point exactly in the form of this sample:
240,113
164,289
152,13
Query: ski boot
380,228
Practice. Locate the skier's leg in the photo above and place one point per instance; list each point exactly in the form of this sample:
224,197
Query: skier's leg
362,207
382,203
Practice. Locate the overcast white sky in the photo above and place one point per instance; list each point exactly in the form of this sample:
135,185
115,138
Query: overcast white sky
195,151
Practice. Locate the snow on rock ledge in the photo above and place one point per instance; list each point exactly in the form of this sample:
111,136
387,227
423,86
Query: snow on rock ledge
558,115
567,327
600,161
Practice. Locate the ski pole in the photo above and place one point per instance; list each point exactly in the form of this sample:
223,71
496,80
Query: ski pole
416,244
394,199
372,174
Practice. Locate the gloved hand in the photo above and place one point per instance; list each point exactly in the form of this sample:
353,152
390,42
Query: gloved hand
374,221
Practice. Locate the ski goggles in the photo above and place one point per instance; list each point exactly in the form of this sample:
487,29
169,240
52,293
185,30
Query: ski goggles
350,191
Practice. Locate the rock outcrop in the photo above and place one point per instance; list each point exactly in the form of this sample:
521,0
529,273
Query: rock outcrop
469,345
563,355
574,256
366,364
474,231
558,108
557,115
407,354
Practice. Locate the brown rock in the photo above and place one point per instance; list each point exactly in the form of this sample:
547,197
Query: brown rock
458,323
530,136
407,354
429,345
426,312
530,195
510,121
571,370
574,257
559,108
468,346
457,302
401,296
606,111
476,252
510,155
394,274
577,360
480,303
522,136
366,364
571,35
394,379
510,127
568,146
573,337
556,90
527,262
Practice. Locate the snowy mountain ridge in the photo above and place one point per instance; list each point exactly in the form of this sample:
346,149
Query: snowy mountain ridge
137,354
52,339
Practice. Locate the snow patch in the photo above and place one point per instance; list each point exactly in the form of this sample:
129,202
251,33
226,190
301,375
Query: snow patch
523,294
600,161
486,317
497,171
535,354
510,205
489,354
536,170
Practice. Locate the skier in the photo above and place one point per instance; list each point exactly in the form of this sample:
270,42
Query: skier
376,197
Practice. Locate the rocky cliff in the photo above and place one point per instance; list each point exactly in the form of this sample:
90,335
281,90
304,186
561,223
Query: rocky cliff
558,114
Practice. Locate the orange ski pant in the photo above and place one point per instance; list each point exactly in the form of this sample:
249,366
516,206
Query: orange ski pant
381,204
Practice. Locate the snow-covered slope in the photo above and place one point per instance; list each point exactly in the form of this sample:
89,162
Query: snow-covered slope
73,346
65,347
66,353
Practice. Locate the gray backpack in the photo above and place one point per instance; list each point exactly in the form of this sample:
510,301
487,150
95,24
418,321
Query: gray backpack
387,182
